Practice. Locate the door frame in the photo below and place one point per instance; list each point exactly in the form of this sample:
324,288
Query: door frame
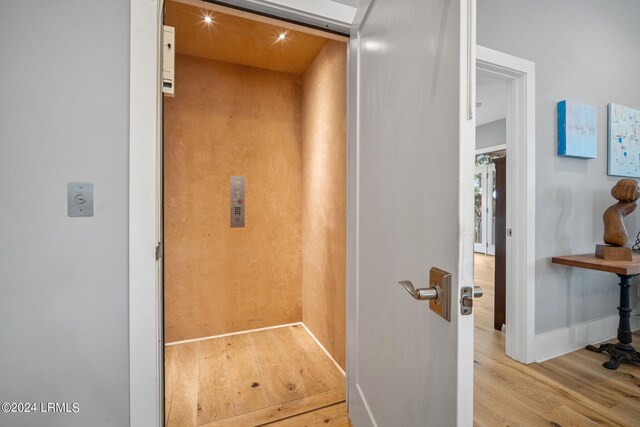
146,341
145,186
521,199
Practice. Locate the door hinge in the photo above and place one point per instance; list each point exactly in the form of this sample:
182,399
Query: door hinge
159,251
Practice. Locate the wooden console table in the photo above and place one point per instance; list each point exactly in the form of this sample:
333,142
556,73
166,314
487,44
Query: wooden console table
622,351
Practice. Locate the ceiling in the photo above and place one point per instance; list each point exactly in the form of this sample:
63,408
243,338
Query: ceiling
241,41
492,94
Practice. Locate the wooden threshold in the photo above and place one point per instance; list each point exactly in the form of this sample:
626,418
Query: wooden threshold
334,415
293,409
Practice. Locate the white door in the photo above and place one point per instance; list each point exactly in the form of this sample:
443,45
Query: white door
415,162
484,206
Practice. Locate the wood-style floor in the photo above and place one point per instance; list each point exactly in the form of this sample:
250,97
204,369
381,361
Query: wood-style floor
572,390
276,377
280,377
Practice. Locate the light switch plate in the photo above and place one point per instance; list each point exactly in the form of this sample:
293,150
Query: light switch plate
79,199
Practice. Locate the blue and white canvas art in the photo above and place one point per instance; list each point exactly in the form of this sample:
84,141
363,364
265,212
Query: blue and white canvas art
624,146
577,130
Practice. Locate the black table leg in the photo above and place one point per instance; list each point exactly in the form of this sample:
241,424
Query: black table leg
622,351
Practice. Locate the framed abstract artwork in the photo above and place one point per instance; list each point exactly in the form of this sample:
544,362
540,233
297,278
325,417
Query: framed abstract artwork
577,130
623,141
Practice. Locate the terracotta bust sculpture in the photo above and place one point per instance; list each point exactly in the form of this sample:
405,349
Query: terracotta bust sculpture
627,192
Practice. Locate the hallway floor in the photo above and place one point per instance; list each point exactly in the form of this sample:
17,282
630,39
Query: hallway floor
276,377
571,390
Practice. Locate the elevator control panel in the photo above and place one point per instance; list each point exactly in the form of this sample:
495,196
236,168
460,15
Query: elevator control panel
237,201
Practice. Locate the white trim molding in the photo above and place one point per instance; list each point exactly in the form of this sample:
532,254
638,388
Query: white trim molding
558,342
520,251
230,334
145,292
327,15
491,149
324,350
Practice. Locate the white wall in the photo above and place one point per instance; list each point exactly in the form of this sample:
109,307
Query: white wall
584,50
64,117
490,134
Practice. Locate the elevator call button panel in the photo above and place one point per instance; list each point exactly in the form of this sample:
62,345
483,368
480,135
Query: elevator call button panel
79,199
237,201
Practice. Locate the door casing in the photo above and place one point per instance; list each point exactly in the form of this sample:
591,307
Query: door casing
521,212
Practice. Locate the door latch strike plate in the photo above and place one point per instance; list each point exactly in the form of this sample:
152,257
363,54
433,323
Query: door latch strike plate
466,300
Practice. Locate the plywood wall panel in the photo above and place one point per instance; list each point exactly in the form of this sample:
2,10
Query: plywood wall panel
229,120
324,187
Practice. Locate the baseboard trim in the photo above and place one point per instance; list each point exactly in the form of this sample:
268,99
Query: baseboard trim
337,365
559,342
286,325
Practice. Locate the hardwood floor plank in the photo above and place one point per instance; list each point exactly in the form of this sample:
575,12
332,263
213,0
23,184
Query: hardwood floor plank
249,379
335,415
181,385
512,408
318,371
536,391
493,382
215,395
568,417
281,382
244,376
605,392
485,415
629,411
573,389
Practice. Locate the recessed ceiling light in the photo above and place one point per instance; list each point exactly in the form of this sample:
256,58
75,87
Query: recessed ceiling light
282,36
208,19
